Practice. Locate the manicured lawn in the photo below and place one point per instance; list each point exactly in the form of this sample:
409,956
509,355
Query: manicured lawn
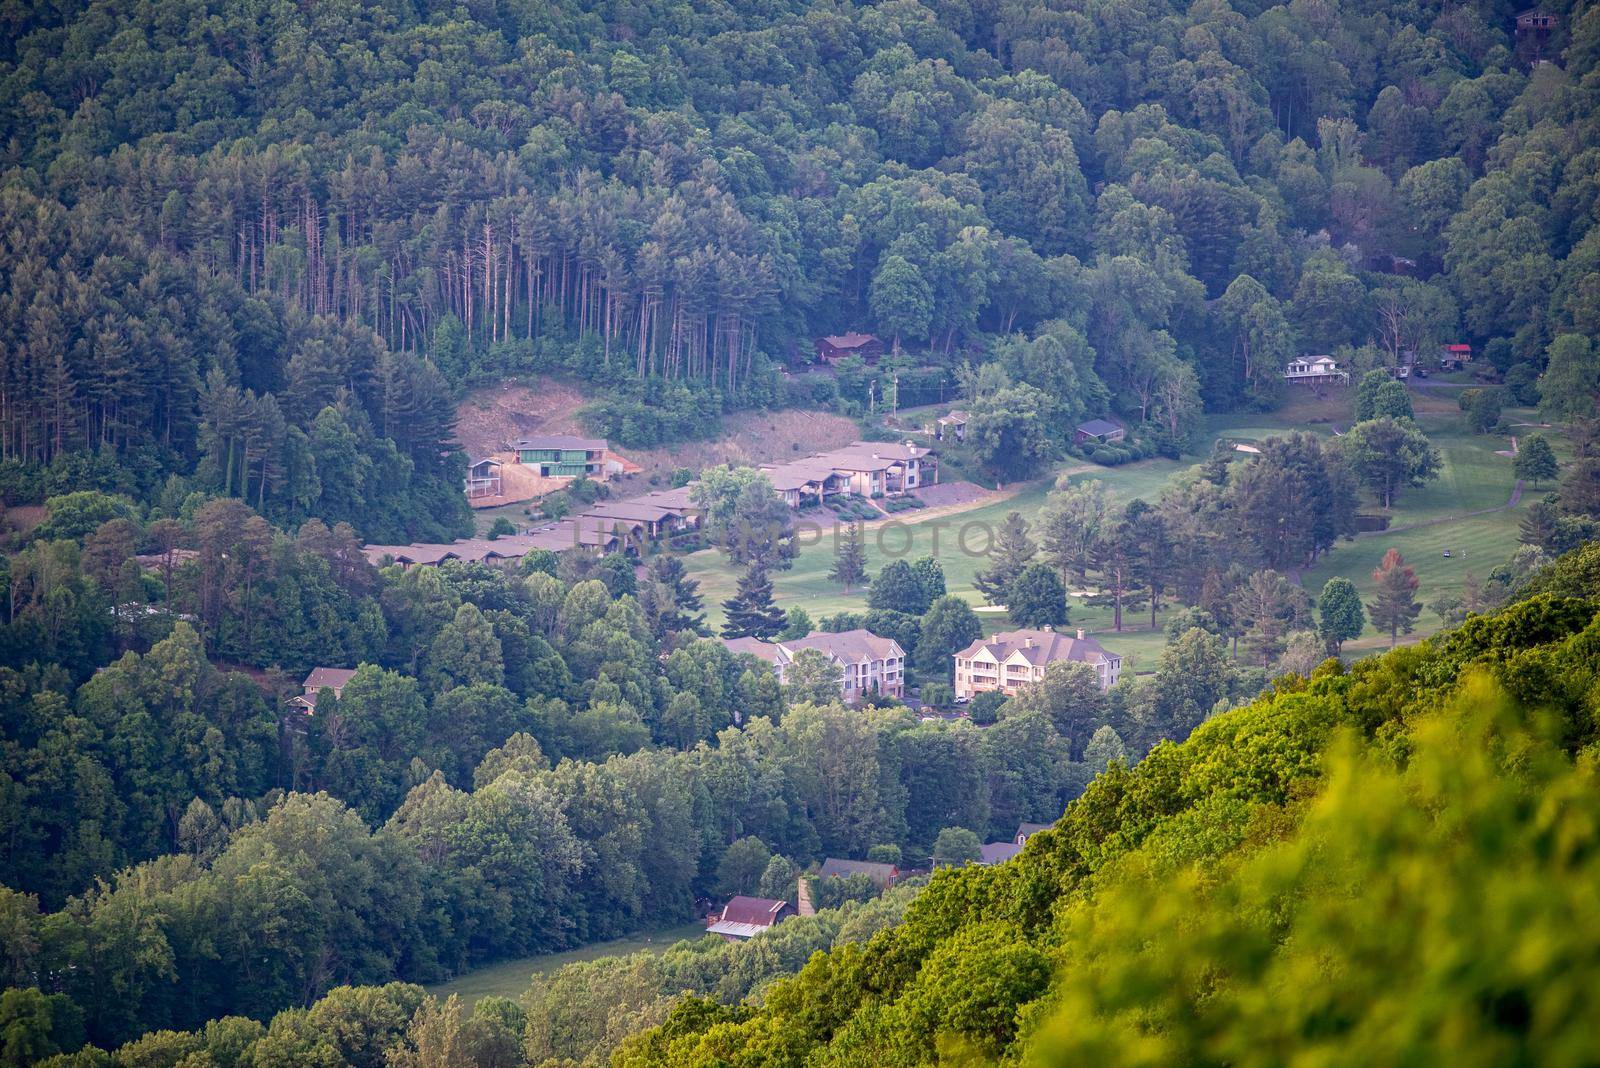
1472,478
510,979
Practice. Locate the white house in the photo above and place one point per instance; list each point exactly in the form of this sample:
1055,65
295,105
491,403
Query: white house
1314,369
1010,660
867,663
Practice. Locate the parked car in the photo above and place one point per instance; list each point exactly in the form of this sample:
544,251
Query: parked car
1422,372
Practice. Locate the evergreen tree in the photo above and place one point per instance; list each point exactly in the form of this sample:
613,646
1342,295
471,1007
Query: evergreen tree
1394,607
1012,551
849,558
751,612
682,612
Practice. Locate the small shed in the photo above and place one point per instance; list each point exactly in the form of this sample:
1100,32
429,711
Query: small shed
953,424
1101,430
835,347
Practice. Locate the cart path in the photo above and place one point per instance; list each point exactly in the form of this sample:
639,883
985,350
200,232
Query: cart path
1514,500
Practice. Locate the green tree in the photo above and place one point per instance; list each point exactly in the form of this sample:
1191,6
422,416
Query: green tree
1569,388
742,866
1071,696
1009,431
678,611
1035,598
930,574
1483,410
1105,746
849,558
466,651
797,624
744,515
900,299
1536,460
35,1026
956,846
751,612
1010,554
778,879
984,708
1394,606
1269,606
949,626
812,676
1389,454
1340,616
898,589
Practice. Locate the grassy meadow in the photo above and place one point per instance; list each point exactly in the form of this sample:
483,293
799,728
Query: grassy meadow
510,978
1473,477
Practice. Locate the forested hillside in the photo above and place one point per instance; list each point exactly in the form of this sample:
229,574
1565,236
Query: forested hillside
253,244
253,253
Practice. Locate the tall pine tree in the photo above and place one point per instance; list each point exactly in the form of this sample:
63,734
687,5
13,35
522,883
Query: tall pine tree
751,612
1013,551
849,558
1395,607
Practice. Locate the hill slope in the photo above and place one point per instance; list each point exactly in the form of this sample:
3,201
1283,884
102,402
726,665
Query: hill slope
1393,863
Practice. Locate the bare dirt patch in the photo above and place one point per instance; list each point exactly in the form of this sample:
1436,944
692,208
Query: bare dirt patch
488,418
757,438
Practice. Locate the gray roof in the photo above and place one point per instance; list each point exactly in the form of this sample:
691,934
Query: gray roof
882,874
634,508
560,441
1098,427
1040,647
847,646
328,678
998,852
752,647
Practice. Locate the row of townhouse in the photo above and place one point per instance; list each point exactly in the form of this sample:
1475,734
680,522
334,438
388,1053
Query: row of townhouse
864,468
867,468
603,527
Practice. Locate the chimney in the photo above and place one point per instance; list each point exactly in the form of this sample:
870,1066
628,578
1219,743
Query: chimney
1028,642
1048,627
1080,634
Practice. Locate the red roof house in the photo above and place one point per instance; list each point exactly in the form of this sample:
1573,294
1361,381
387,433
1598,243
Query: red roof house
835,347
745,917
